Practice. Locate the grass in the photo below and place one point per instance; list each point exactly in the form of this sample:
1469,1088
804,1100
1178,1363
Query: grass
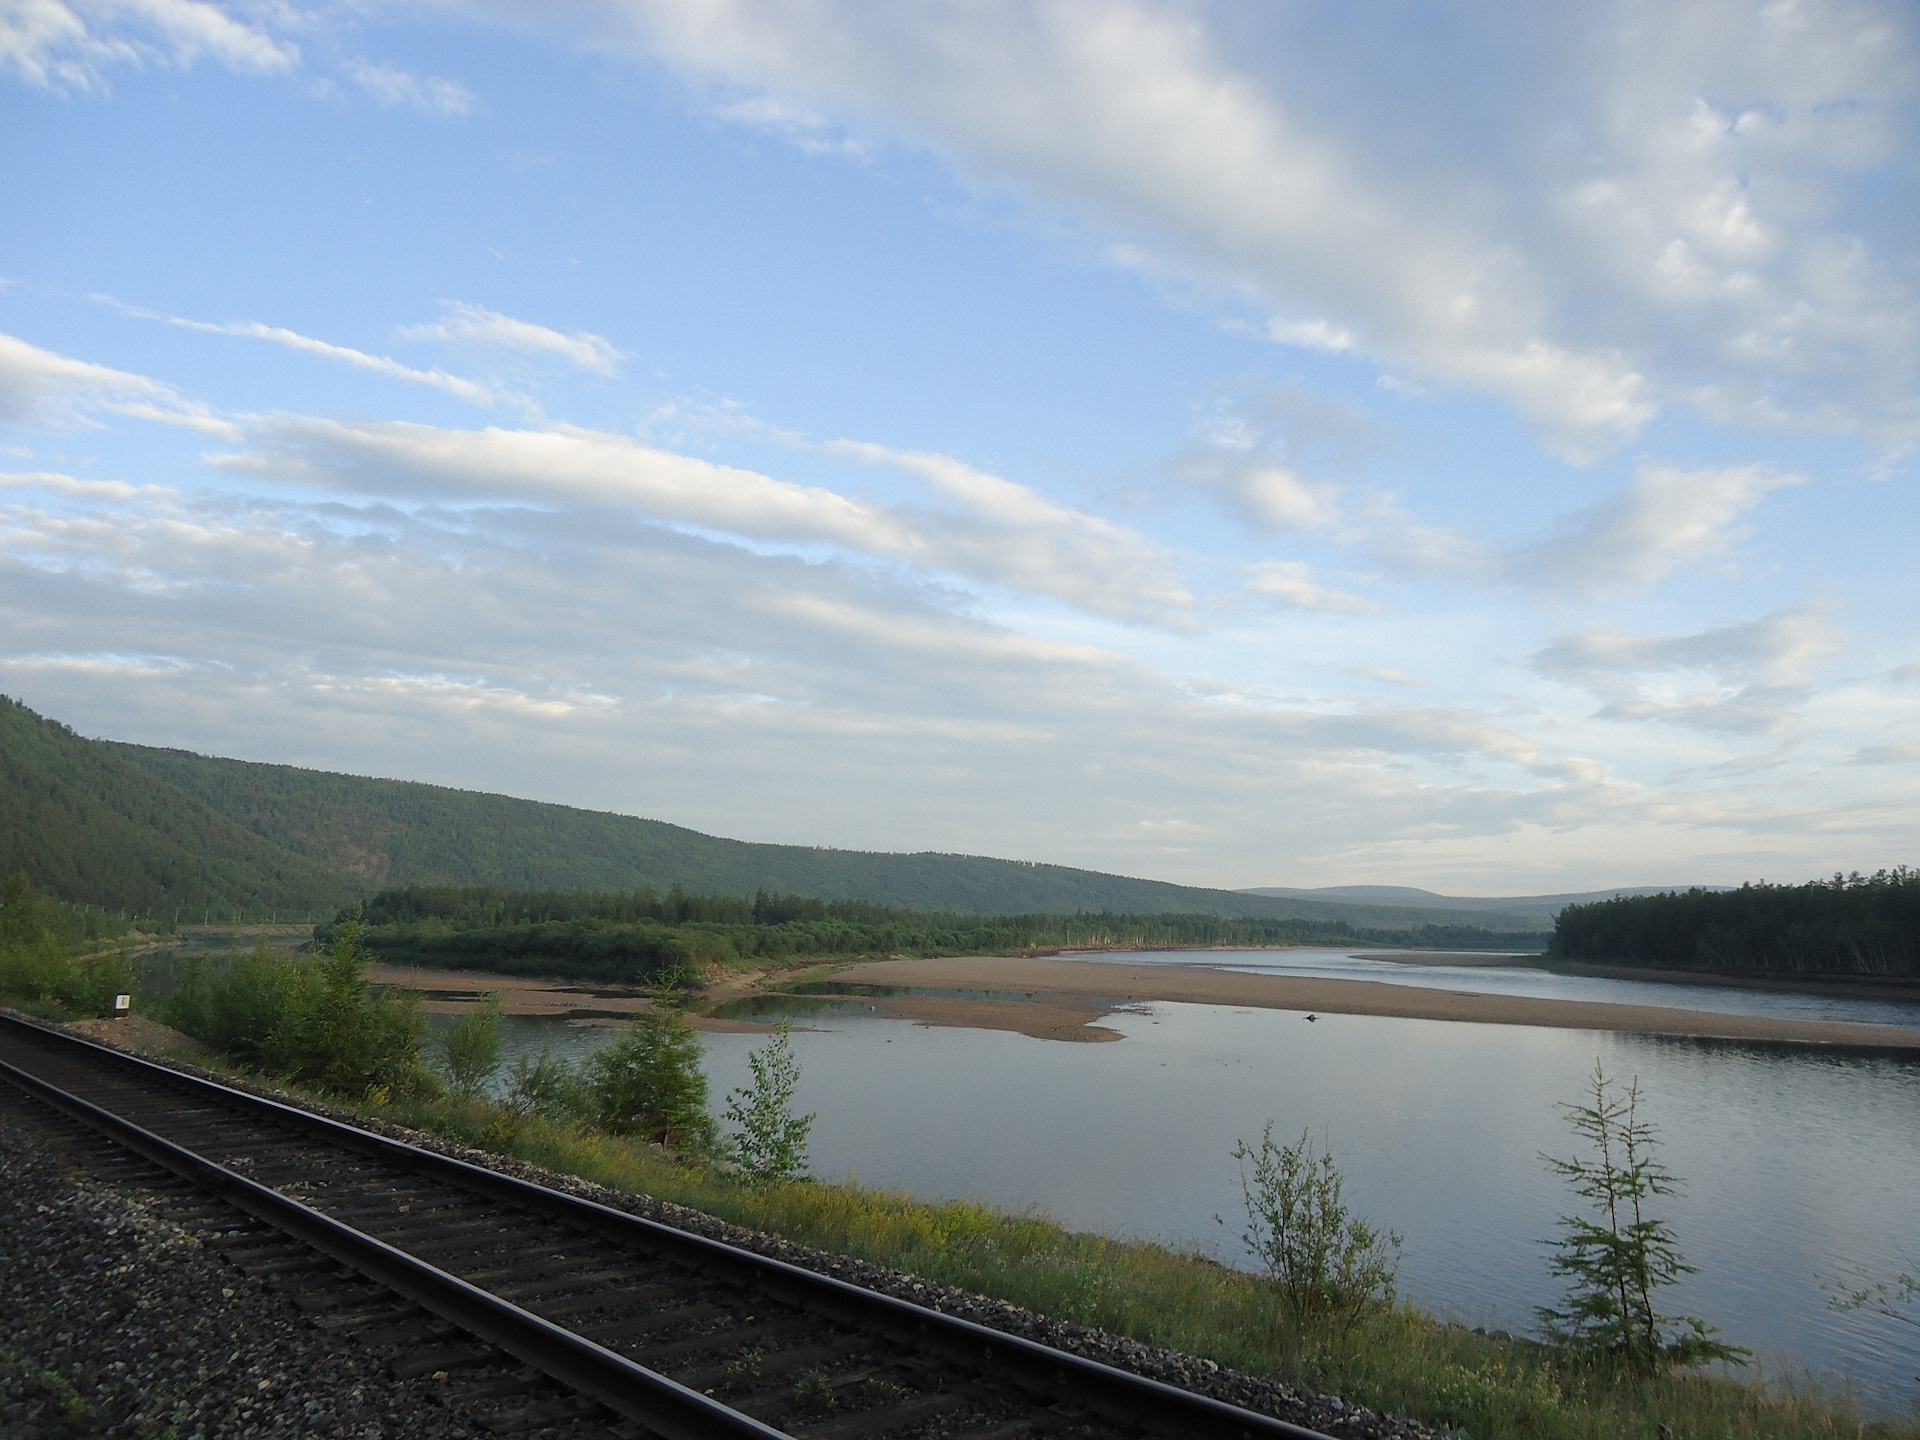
1398,1359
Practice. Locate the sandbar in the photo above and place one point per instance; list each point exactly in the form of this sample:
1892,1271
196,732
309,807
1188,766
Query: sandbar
1109,985
454,992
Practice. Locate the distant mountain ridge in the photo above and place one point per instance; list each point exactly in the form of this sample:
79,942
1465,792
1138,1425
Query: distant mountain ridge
137,828
1500,912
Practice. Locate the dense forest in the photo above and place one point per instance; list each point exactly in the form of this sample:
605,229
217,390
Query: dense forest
86,826
165,833
643,936
1849,925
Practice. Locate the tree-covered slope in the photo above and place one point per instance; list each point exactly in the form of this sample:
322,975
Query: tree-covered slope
131,827
86,826
397,832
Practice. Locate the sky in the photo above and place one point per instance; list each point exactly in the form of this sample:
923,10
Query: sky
1236,443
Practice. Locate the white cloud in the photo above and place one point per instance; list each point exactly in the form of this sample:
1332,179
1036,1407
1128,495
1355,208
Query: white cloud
1388,675
458,386
41,388
799,127
1669,519
1629,208
1750,678
1291,583
70,43
1011,534
1249,451
1130,114
990,531
393,87
475,325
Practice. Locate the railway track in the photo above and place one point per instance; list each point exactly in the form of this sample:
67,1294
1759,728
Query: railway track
658,1330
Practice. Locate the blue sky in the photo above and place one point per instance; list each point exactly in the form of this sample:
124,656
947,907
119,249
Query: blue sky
1243,444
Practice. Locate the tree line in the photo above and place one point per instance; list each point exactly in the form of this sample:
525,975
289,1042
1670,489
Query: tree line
1847,925
643,936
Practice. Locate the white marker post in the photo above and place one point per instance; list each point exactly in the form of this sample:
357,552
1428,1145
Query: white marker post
122,1006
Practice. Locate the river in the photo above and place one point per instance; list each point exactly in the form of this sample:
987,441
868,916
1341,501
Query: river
1800,1163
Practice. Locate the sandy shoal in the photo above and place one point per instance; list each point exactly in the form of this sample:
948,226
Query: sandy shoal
454,992
1118,983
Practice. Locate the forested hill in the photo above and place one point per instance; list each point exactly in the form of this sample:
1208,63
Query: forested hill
394,832
86,824
133,827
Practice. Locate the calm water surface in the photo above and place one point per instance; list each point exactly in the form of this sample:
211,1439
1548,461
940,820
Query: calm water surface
1799,1163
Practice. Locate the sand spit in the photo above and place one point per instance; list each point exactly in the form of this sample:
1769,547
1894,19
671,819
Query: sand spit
1108,985
454,992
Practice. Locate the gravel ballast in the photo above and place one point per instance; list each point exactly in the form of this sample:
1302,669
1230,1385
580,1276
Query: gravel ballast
120,1321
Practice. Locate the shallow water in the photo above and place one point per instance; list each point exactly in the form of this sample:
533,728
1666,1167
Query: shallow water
1525,980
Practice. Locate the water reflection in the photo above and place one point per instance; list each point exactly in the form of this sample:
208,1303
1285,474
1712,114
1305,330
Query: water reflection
1510,979
1800,1162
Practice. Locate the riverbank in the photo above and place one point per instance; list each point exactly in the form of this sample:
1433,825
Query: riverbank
1105,986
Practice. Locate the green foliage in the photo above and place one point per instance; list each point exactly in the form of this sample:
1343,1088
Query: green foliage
1328,1264
313,1020
153,831
649,1084
548,1086
45,959
1614,1264
769,1141
1849,925
471,1047
90,827
1897,1299
643,937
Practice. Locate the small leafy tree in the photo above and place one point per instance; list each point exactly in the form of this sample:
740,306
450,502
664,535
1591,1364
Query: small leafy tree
471,1047
769,1142
341,1033
1328,1263
1615,1263
649,1082
545,1084
315,1020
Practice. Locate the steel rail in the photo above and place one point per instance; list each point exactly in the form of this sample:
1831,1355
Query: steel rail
1106,1390
662,1405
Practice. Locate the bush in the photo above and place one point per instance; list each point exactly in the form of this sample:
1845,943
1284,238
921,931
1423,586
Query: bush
649,1084
41,964
1616,1264
313,1020
769,1142
1327,1263
548,1086
471,1047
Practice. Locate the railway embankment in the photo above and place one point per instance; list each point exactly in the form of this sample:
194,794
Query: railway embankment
123,1320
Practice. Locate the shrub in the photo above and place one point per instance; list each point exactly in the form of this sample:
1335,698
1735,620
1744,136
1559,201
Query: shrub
1327,1263
312,1020
1616,1263
39,965
648,1083
546,1085
769,1142
471,1047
